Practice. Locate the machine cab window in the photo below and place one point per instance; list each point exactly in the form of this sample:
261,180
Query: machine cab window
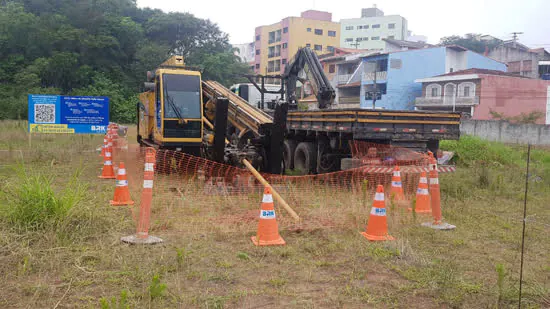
182,98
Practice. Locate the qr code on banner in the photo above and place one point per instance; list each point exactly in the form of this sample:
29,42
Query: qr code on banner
44,113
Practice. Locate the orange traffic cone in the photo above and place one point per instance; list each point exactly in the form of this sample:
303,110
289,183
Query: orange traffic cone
435,194
142,232
396,191
102,154
268,230
122,194
108,171
422,196
377,227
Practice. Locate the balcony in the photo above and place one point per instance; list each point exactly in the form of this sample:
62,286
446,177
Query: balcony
379,76
349,100
446,101
343,78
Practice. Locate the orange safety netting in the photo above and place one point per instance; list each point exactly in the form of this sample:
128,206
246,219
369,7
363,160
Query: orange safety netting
190,183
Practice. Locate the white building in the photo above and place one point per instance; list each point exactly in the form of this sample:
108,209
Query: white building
245,51
368,31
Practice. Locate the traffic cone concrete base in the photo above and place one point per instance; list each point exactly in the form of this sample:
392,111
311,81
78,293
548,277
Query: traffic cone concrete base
134,240
268,230
439,226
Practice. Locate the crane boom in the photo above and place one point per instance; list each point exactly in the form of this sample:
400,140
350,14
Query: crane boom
306,60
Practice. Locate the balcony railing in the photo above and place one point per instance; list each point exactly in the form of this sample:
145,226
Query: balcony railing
379,76
446,101
343,78
349,100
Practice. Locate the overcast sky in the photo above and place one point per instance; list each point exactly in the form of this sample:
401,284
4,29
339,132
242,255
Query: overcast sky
432,18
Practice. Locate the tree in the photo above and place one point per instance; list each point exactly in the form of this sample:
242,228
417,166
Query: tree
100,47
470,41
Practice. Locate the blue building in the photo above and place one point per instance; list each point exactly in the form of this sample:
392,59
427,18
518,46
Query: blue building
396,73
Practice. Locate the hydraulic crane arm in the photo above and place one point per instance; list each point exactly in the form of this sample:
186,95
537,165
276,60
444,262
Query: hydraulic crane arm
306,60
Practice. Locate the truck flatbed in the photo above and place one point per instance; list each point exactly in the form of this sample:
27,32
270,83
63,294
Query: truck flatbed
369,124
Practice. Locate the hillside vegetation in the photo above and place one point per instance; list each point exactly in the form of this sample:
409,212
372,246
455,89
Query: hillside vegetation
99,47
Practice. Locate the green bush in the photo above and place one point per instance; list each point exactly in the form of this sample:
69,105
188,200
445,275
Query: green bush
31,202
471,151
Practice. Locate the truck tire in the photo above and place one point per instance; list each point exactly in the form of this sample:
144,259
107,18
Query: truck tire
289,148
305,158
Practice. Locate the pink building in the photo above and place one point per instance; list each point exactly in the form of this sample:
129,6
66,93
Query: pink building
486,94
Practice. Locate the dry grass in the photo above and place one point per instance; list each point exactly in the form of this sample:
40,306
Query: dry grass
208,260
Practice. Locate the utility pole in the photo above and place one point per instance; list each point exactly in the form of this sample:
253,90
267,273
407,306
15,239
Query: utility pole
515,35
375,92
356,44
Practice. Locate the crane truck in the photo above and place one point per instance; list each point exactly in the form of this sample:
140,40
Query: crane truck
181,111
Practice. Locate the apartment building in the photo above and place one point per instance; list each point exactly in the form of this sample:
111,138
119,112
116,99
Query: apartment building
276,44
369,31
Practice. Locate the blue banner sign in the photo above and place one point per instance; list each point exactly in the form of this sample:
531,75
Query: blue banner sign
68,114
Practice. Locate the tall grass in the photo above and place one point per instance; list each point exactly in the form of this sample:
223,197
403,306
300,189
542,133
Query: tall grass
31,202
470,151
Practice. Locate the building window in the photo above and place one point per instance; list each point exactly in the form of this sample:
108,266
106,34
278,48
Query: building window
391,37
283,61
277,66
375,26
257,65
308,29
330,48
433,91
331,33
274,51
396,64
257,38
390,26
349,27
374,38
319,31
365,39
285,45
466,89
365,26
274,36
359,27
308,45
285,30
257,51
251,67
359,39
514,66
349,39
318,47
332,68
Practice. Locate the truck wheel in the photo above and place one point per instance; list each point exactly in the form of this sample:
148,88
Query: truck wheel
289,148
305,158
